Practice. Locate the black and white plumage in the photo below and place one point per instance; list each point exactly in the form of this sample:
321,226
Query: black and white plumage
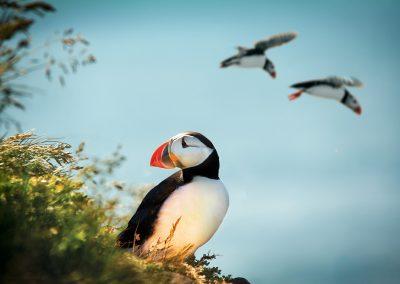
194,195
332,87
255,57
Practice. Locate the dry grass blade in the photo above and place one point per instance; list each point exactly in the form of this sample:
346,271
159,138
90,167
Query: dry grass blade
28,154
172,231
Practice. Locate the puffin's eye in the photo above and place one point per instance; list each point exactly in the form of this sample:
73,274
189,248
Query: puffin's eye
184,145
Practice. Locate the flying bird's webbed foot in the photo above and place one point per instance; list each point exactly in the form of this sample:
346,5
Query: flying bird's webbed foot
295,96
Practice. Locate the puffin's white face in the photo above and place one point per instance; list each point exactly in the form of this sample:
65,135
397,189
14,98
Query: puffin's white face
182,151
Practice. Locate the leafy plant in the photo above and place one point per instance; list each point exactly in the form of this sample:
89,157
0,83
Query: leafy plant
52,231
212,273
18,59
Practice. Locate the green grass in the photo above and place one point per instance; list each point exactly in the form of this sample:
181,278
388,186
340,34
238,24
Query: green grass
52,231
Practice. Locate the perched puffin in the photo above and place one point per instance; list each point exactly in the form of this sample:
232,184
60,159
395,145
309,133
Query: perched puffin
332,87
193,200
255,57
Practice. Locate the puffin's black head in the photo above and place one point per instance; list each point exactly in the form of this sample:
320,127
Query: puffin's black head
270,68
350,101
190,151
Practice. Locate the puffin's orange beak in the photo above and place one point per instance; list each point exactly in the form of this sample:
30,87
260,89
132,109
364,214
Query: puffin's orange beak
273,75
161,158
358,110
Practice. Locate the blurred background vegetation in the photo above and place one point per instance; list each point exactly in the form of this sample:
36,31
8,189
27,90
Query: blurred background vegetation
60,210
52,230
18,58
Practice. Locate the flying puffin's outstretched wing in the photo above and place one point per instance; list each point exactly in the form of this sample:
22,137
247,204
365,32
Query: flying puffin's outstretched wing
141,225
333,81
311,83
341,81
275,40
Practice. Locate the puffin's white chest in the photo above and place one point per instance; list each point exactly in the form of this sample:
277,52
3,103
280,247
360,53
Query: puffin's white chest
201,205
253,61
327,92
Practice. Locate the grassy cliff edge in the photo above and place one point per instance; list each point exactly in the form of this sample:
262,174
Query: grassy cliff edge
50,230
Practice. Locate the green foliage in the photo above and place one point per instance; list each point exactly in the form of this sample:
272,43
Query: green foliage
211,273
28,155
51,231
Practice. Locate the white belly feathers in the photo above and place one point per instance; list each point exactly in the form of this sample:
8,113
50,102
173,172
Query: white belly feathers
326,92
254,61
201,206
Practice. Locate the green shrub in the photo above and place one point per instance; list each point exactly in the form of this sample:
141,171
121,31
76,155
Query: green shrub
51,231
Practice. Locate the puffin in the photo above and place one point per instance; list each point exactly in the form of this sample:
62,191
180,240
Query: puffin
332,87
182,212
255,57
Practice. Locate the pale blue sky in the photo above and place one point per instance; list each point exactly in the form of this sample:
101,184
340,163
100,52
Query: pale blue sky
314,194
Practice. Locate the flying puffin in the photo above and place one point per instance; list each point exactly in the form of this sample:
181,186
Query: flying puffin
332,87
193,200
255,57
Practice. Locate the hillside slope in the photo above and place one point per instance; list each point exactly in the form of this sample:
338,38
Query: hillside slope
50,230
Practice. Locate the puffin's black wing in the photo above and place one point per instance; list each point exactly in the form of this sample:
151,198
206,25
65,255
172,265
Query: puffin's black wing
142,223
312,83
332,81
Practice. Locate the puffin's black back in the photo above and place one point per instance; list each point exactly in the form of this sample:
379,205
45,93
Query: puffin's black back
143,221
312,83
